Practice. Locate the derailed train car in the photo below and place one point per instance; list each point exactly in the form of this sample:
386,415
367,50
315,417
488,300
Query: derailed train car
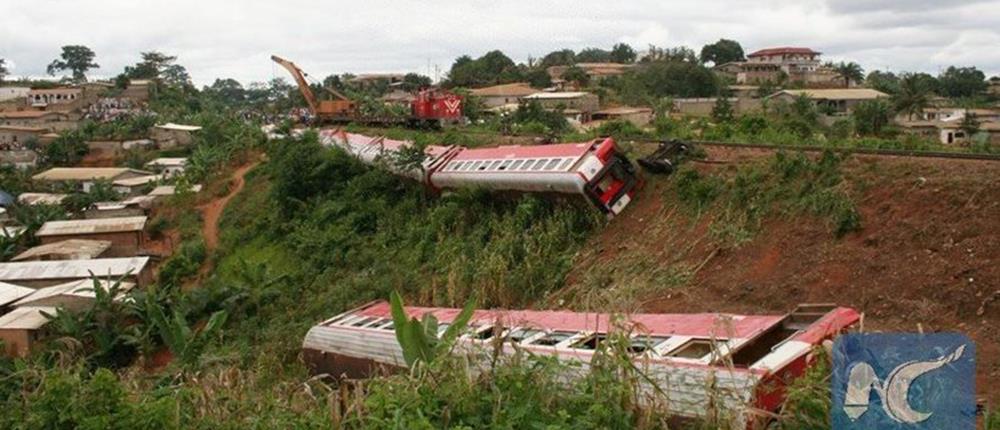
596,170
702,365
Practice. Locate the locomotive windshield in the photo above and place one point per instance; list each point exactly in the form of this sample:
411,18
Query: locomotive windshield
610,188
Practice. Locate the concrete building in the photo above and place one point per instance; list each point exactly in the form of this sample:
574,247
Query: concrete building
168,167
952,133
594,71
42,98
172,135
125,234
702,107
834,101
136,186
639,116
71,249
13,93
85,177
39,274
138,90
574,105
794,64
503,95
51,120
16,136
20,329
74,296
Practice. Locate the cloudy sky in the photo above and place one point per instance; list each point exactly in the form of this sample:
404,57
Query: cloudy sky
215,38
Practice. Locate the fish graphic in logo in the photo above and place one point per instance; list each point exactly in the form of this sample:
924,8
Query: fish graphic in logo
929,381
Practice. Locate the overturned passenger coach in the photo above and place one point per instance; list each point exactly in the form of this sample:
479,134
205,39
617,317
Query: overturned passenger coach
596,170
704,363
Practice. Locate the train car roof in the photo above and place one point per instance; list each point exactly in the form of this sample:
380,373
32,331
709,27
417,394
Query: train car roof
718,325
528,151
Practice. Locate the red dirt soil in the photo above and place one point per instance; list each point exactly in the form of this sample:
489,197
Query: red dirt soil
927,256
211,212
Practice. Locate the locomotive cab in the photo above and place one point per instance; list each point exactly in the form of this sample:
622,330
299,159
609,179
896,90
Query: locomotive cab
614,184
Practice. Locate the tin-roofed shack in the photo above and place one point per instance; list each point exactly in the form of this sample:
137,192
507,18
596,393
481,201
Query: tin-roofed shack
72,249
75,296
10,293
168,166
20,329
38,274
32,199
134,206
125,234
171,135
87,176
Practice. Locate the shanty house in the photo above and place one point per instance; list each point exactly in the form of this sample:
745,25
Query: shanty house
168,166
10,293
71,249
169,190
137,185
171,135
75,295
87,176
20,329
835,101
502,95
574,105
133,206
125,234
38,274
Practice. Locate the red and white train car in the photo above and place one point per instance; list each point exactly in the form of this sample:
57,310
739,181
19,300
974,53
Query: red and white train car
596,170
703,363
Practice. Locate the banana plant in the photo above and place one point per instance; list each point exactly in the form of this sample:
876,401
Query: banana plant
186,344
419,337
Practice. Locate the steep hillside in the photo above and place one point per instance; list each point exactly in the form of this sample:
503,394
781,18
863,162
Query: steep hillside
924,258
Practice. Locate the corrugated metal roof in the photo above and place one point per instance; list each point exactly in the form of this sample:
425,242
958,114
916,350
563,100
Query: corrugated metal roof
92,226
83,288
836,94
623,110
167,161
41,198
137,181
517,89
25,129
85,173
557,95
783,50
178,127
26,318
28,114
80,249
71,269
169,190
11,293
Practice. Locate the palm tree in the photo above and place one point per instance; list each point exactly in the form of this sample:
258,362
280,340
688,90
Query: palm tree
913,95
850,72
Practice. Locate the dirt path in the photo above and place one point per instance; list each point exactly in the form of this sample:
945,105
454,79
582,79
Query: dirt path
211,212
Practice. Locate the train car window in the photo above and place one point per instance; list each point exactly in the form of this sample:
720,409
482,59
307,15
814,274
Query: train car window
695,349
540,164
468,166
475,166
521,334
552,164
363,321
494,165
388,325
456,165
485,333
516,165
565,163
504,165
442,328
590,342
553,338
641,344
527,165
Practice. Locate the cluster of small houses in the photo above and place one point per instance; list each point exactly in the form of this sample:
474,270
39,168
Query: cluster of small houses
797,66
108,241
40,114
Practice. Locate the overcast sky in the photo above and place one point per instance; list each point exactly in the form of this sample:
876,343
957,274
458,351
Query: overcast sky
235,38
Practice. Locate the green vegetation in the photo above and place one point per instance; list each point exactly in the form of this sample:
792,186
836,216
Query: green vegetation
78,59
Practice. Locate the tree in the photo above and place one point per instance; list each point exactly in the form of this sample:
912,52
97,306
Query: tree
576,74
228,91
871,117
913,95
723,110
970,124
564,57
413,82
538,78
3,69
159,66
959,82
849,72
678,54
492,68
721,52
886,82
593,55
622,53
78,59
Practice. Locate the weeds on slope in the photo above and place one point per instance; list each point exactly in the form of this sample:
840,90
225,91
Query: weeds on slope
785,184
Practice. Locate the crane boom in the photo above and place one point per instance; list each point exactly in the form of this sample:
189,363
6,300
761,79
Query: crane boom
300,79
